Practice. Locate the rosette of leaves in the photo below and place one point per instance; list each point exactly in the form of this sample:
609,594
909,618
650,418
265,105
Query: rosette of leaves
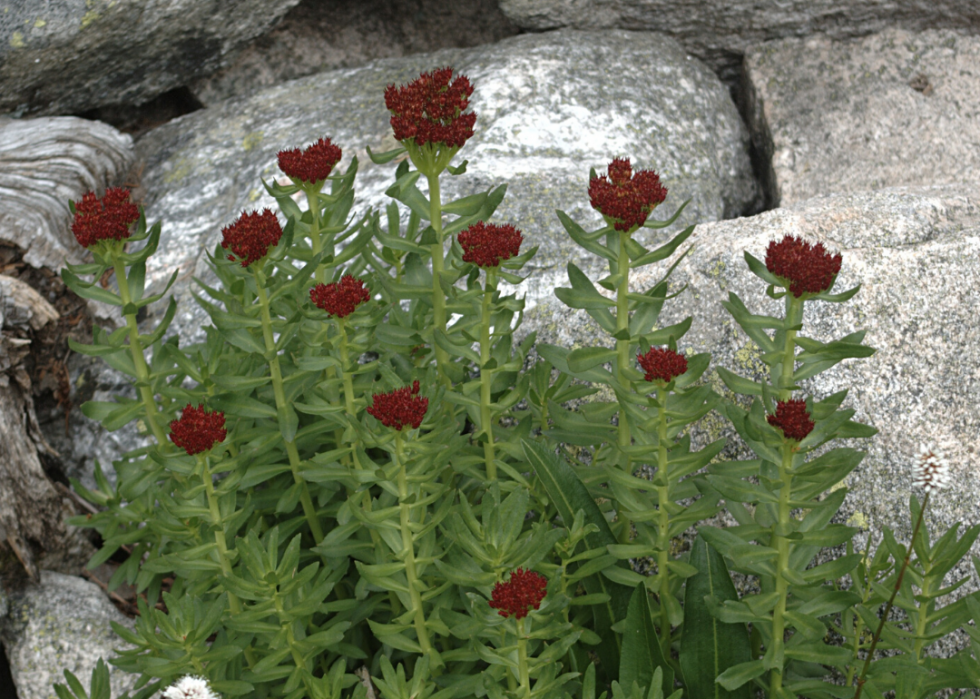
789,616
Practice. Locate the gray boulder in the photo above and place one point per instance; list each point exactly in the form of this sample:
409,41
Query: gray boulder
549,106
893,109
61,624
914,252
720,31
316,36
67,56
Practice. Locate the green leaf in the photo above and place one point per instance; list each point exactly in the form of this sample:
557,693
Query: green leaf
710,647
569,496
585,358
386,156
642,653
738,675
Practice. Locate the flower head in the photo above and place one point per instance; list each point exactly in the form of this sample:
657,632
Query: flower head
311,165
108,218
430,109
931,469
662,364
624,196
487,244
792,418
522,593
400,407
198,430
340,298
189,687
251,236
809,269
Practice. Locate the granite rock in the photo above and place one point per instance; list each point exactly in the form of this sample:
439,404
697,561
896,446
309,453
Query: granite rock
914,252
61,624
68,56
720,31
893,109
549,106
319,35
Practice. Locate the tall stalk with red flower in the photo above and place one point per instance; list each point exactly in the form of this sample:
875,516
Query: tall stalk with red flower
490,247
655,392
429,118
782,430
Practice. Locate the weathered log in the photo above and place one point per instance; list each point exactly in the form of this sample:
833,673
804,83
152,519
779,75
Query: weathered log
32,510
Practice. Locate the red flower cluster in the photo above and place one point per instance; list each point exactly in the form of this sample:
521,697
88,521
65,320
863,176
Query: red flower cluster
487,244
311,165
429,109
792,418
522,593
198,430
340,298
662,364
108,218
809,269
624,196
400,407
251,236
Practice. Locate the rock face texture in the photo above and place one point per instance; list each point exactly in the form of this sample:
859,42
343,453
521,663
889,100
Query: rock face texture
61,624
719,30
319,35
549,107
45,162
892,109
67,56
914,252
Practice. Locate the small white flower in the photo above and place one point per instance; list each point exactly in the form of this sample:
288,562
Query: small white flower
189,687
931,469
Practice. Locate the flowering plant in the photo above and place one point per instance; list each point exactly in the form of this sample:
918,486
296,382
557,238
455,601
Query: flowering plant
372,487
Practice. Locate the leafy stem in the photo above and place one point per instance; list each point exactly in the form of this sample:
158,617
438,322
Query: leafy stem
522,659
139,361
891,601
438,265
663,525
313,200
219,537
281,405
408,547
782,564
486,375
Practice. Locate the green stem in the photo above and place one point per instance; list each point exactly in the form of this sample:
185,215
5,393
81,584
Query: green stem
139,361
782,564
858,621
663,527
313,201
622,362
522,659
219,537
438,265
408,547
280,394
794,316
486,377
352,415
297,656
891,601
